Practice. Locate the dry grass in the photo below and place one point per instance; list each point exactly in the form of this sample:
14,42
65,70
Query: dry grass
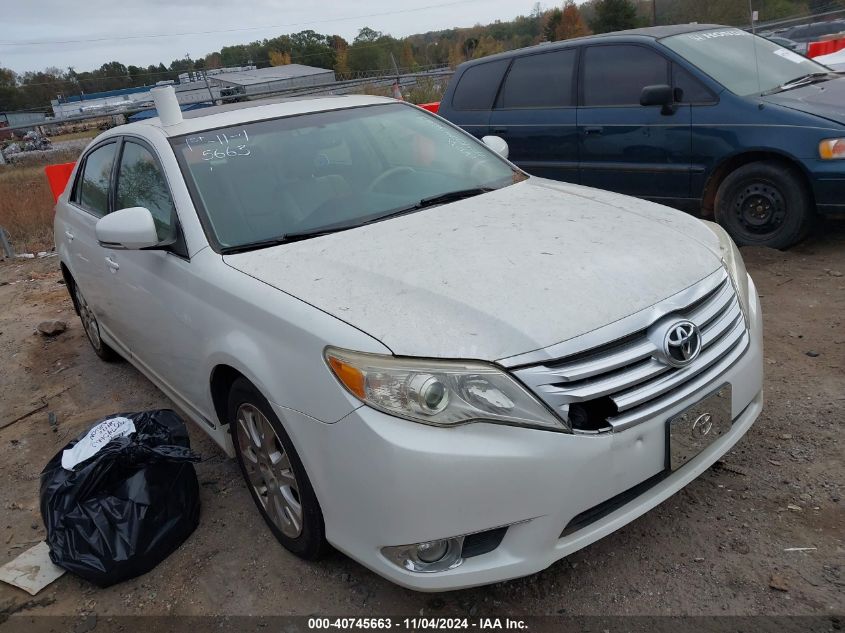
26,207
72,136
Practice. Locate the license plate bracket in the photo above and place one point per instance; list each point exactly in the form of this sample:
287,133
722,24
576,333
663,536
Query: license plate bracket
698,426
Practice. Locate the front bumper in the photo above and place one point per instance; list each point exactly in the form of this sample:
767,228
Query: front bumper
828,184
383,481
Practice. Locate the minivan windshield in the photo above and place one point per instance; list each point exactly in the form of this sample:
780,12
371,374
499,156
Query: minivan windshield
273,181
744,63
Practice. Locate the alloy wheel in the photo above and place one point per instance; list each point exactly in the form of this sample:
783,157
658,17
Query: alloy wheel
269,470
89,321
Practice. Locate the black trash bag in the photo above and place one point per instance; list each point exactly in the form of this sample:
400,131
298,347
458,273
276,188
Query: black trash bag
119,513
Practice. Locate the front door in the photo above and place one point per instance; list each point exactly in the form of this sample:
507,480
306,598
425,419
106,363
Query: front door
157,317
536,114
625,147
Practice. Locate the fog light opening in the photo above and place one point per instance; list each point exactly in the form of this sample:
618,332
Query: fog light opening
428,556
432,551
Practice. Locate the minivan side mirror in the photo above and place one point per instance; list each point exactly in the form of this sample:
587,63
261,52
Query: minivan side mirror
497,144
661,95
132,228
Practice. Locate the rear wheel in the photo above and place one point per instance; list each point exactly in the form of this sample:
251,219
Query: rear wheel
765,204
92,328
274,473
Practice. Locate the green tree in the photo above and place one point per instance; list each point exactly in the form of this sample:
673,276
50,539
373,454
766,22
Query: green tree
614,15
551,22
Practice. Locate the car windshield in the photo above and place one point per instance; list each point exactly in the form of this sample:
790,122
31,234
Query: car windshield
294,177
745,64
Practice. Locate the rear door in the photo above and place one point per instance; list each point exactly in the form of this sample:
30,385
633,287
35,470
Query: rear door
626,147
472,99
536,113
89,201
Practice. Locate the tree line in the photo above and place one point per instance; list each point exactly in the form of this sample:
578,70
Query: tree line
373,50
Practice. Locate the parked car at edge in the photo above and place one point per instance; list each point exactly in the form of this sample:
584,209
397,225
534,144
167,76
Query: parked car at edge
708,119
803,34
786,43
451,371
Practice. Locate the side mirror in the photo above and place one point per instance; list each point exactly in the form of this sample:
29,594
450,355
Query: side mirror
131,228
661,95
497,144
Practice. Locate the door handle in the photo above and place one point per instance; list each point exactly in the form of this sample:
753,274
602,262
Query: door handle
69,235
593,129
500,130
112,264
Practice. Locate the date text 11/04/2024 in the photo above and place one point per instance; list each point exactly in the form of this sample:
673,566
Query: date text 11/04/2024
420,623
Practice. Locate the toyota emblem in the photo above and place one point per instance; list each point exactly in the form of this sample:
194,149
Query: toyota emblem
682,343
702,425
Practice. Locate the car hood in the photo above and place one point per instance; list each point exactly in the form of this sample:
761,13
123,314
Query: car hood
496,275
825,99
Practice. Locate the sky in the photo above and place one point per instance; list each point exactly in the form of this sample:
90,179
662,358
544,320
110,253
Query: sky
37,33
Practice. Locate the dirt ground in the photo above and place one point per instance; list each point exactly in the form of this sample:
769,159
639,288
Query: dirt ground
714,548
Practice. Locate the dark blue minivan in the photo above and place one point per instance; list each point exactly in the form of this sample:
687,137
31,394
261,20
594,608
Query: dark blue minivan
704,118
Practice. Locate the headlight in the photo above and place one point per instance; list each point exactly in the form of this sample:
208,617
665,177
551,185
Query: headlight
832,148
732,260
440,393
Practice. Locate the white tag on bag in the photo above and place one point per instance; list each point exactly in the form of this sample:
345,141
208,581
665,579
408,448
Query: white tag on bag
95,439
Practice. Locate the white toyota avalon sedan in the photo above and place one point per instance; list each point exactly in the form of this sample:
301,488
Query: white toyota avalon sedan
451,371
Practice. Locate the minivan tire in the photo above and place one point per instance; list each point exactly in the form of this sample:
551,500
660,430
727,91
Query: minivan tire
248,413
765,203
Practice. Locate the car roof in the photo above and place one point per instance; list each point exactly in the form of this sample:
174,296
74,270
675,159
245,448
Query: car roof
247,112
651,32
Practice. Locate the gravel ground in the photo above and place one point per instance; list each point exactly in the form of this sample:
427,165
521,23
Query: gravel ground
720,546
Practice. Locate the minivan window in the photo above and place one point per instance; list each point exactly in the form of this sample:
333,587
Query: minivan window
140,183
540,81
693,90
478,86
744,63
93,193
616,75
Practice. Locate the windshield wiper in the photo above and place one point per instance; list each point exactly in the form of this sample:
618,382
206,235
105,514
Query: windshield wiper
287,238
443,198
799,81
452,196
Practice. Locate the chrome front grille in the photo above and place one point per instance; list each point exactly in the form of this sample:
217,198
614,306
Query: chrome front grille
628,369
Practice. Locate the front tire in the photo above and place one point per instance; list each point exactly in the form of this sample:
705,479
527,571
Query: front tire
765,204
274,473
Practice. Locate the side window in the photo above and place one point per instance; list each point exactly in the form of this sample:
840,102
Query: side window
616,75
693,90
478,86
92,193
540,81
140,183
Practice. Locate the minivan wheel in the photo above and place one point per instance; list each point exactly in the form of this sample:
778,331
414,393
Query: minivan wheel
91,327
764,204
274,473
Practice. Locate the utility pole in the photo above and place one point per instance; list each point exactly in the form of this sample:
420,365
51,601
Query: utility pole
654,12
751,15
210,94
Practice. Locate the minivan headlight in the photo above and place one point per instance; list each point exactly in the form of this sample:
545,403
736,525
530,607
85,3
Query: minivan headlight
732,260
832,149
438,392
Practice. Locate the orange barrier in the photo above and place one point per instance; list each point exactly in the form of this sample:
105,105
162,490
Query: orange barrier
431,107
57,176
825,47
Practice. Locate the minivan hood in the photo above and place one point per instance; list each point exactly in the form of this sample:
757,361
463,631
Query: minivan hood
825,99
496,275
